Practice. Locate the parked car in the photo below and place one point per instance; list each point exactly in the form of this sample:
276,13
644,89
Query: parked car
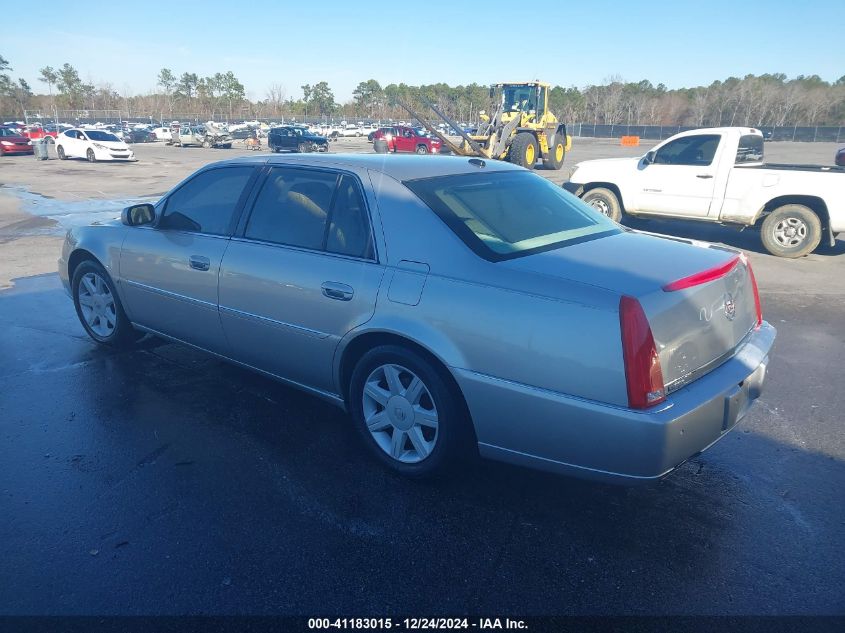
93,145
243,133
718,175
139,136
201,136
162,133
291,138
840,157
33,132
351,130
451,307
13,142
401,138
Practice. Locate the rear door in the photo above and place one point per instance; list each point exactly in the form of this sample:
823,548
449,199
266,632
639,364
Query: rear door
300,274
169,271
681,180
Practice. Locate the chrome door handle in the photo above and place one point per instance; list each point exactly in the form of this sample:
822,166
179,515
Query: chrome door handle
705,176
198,262
335,290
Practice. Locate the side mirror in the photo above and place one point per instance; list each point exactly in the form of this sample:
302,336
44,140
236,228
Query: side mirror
138,215
648,159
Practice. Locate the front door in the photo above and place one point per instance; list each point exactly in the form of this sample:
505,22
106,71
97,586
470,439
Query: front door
681,180
301,276
169,272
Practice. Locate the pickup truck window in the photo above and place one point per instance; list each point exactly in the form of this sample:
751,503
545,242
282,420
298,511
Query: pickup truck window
697,150
750,149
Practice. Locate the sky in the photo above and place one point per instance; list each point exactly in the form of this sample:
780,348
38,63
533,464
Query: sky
265,42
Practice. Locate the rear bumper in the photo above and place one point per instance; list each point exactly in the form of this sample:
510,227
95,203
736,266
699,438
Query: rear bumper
559,433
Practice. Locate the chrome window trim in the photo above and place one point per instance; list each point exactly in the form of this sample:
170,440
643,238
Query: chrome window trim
303,249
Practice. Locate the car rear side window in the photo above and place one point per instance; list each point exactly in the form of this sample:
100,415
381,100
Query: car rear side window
293,208
750,149
697,150
206,203
349,228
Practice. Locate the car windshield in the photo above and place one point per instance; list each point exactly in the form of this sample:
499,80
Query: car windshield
506,215
4,131
97,135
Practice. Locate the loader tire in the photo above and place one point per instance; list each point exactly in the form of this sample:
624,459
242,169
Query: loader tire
557,151
523,150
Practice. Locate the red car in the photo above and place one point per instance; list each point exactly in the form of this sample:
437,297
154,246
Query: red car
400,138
11,142
37,131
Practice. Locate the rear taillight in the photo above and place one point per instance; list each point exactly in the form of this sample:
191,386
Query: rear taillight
643,374
757,306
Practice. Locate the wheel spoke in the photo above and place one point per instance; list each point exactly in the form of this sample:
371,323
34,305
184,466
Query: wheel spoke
397,443
391,375
378,422
420,445
414,390
92,290
425,417
86,300
377,393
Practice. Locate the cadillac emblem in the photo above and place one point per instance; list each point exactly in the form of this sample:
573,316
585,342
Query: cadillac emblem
730,307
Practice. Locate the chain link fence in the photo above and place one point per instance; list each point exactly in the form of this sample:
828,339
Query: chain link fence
808,134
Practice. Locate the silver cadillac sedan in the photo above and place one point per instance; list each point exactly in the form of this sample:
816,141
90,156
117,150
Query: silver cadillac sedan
451,306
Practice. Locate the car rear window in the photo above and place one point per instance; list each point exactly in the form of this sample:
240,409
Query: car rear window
506,215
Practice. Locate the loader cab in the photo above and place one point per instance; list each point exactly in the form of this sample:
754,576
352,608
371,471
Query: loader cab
526,99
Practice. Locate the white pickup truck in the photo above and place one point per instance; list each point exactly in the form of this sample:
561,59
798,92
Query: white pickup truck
718,175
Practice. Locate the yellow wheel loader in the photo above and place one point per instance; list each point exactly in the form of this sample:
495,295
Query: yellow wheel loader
521,129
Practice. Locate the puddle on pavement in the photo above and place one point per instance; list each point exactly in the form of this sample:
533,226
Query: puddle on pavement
65,214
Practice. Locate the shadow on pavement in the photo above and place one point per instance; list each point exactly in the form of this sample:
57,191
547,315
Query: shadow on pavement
163,481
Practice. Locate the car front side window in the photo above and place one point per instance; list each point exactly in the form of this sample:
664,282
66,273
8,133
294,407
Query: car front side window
206,203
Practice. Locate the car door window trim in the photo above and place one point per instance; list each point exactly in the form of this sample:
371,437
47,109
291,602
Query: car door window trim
249,208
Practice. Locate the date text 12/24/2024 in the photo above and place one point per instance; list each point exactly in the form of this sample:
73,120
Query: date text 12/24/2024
417,624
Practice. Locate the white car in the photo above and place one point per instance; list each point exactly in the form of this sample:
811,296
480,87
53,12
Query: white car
93,145
162,133
351,130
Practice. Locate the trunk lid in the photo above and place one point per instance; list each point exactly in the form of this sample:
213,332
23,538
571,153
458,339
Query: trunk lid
695,328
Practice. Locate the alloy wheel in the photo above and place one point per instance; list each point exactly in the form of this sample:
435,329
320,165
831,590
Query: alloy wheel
97,305
400,413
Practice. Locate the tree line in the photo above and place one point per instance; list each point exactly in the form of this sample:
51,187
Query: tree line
753,100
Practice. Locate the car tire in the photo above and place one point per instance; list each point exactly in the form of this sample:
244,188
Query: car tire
523,147
98,306
557,152
422,149
438,434
92,158
791,231
206,144
302,148
605,202
60,152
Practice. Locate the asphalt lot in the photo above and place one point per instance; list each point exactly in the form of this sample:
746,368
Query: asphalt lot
163,481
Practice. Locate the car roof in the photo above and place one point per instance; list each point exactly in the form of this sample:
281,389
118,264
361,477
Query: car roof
398,166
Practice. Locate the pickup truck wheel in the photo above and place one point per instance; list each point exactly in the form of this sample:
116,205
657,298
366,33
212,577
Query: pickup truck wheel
406,413
605,202
791,231
523,151
422,149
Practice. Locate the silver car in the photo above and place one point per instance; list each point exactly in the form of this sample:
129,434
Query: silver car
452,307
